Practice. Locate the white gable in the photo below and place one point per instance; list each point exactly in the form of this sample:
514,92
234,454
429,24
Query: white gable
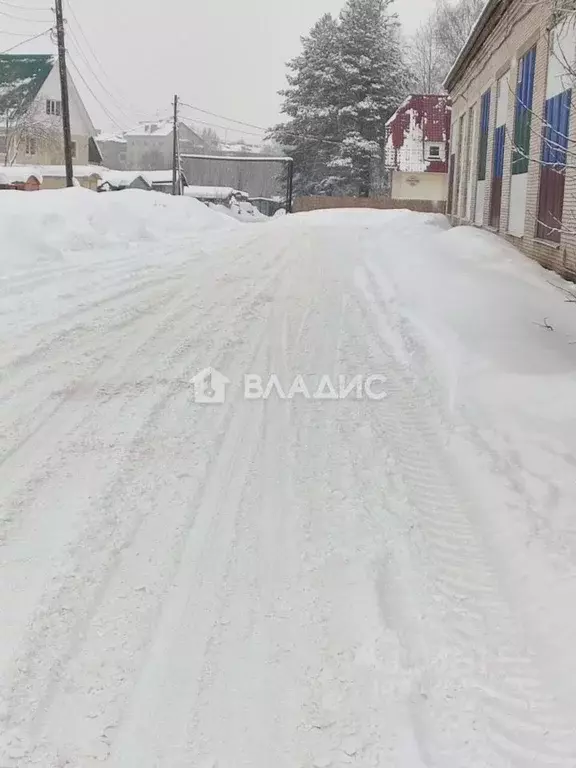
80,122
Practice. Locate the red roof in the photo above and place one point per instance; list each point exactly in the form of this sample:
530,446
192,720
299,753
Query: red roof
430,113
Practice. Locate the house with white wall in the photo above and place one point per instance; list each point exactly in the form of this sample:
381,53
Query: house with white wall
418,136
31,114
150,145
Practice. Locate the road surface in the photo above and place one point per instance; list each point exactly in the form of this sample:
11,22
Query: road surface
289,583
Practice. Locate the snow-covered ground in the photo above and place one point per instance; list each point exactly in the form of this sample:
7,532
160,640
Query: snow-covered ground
241,210
289,583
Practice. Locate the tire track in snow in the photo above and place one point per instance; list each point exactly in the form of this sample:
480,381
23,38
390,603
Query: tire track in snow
81,573
481,666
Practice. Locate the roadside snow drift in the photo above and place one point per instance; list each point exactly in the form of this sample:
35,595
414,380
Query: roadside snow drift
282,582
35,225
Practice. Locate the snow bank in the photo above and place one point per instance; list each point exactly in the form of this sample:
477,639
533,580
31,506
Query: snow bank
43,225
241,210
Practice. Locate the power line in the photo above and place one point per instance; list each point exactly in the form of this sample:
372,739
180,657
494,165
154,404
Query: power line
224,127
97,60
103,107
24,7
14,34
98,80
28,40
223,117
23,18
296,135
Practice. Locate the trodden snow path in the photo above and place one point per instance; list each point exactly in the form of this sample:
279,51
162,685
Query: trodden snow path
297,583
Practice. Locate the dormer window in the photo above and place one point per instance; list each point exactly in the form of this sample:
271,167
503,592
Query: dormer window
434,151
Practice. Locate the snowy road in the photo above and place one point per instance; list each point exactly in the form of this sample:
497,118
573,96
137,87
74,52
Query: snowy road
289,584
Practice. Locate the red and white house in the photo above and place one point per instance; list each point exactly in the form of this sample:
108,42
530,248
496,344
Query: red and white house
417,148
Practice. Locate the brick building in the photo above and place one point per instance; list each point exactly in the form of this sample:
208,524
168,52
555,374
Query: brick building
513,164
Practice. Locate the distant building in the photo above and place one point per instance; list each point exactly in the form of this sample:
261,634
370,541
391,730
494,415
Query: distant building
417,148
113,149
31,114
514,129
148,147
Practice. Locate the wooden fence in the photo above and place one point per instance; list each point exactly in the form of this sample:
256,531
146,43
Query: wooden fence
303,204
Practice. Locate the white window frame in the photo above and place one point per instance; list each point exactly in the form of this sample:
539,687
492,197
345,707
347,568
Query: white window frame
31,148
53,107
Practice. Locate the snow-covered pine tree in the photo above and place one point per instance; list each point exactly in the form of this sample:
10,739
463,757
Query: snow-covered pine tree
310,102
373,81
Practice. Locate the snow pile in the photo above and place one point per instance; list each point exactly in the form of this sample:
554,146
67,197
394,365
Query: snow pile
241,210
44,224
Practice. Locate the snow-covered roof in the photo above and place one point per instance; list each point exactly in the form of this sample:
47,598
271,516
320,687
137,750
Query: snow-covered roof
124,178
23,172
213,193
482,21
151,129
21,77
117,138
18,174
431,111
80,171
250,149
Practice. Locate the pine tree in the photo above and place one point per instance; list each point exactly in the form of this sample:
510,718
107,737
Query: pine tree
347,82
373,82
310,102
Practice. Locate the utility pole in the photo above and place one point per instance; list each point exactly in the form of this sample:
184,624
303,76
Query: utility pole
290,186
176,152
64,91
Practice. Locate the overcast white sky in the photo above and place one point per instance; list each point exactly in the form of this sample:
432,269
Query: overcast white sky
225,56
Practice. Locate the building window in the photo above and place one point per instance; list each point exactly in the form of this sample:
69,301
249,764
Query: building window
434,151
555,140
53,107
74,150
523,112
484,131
30,145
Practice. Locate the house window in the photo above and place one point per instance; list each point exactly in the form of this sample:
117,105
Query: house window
434,151
30,145
523,112
74,150
53,107
484,130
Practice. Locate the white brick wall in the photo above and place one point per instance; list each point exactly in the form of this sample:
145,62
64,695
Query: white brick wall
521,26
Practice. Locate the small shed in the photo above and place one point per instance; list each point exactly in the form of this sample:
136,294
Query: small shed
114,181
267,205
88,176
20,179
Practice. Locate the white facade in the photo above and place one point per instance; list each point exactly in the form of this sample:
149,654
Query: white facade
50,151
